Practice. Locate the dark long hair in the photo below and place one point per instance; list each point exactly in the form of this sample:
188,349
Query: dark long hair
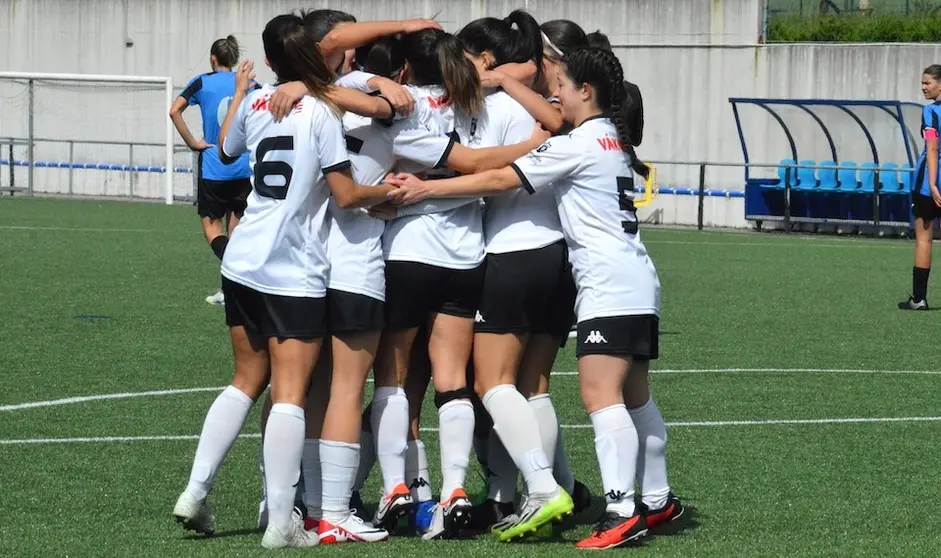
565,35
437,58
633,107
602,70
294,56
383,57
321,22
522,44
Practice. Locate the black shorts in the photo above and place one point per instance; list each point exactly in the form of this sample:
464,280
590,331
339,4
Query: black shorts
415,290
216,198
353,312
266,315
924,207
530,291
636,336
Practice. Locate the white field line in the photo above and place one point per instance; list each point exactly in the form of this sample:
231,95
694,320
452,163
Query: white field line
75,229
157,393
679,424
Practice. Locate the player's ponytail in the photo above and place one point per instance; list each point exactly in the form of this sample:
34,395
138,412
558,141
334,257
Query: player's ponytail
461,80
437,58
226,51
515,38
383,57
294,56
602,70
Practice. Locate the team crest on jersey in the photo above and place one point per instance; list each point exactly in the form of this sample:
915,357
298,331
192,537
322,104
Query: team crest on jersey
534,155
473,138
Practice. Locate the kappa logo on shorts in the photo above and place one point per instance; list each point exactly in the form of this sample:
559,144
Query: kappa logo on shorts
595,337
479,318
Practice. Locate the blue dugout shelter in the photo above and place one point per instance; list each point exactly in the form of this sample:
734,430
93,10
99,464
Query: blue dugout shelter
838,161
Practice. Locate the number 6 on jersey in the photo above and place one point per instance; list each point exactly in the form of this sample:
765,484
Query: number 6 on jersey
270,169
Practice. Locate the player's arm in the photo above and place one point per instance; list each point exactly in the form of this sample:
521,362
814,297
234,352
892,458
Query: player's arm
402,101
523,72
469,160
232,139
348,194
189,96
358,34
387,211
546,113
349,100
930,130
553,160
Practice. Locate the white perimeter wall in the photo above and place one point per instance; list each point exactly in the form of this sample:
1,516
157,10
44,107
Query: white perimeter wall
687,56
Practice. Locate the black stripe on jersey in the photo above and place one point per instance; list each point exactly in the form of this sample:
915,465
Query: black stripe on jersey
353,144
387,122
193,88
525,181
443,161
342,166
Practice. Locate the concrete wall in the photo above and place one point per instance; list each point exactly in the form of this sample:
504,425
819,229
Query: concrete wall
688,57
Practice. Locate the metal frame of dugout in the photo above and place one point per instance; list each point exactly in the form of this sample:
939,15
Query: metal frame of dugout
847,162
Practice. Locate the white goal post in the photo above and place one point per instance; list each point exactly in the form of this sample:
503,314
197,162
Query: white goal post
103,112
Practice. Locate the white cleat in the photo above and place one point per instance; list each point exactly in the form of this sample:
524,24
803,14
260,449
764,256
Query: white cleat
449,517
295,537
393,506
194,514
217,299
351,529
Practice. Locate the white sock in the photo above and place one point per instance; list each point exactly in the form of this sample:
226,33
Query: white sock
339,461
456,435
515,423
284,444
367,458
501,471
313,487
416,471
652,455
390,432
221,427
616,447
548,422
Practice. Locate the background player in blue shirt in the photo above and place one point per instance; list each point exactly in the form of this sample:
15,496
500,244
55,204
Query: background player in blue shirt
221,189
926,199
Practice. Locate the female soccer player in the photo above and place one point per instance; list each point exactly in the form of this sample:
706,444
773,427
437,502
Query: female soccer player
275,274
926,199
591,172
220,189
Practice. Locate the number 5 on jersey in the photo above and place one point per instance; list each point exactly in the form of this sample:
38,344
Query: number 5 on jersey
276,171
625,185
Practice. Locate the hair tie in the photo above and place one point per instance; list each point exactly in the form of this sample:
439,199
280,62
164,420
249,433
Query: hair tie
549,44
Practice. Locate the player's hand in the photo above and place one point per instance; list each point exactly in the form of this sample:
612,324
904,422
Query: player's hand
415,25
385,211
935,195
201,145
491,78
284,98
540,134
402,101
410,189
244,76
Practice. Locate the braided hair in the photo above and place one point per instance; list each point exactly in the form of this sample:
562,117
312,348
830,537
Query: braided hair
602,70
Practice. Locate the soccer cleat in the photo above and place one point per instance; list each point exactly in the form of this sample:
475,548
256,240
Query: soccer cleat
911,304
194,514
217,299
421,516
488,513
537,513
614,530
351,529
670,512
356,502
295,537
393,506
449,517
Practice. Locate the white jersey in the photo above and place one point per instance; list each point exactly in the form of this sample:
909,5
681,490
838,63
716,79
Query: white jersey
515,220
279,246
594,186
451,239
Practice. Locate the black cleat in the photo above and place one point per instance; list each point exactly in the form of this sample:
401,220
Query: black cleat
486,514
670,512
581,497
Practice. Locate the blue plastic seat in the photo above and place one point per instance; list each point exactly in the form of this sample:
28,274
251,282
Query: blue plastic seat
889,178
906,177
846,177
827,176
783,174
807,178
867,177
